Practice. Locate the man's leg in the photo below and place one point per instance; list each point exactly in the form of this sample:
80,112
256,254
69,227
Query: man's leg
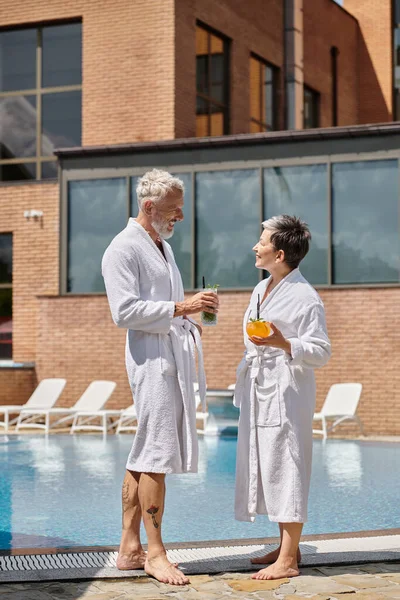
152,496
286,564
271,557
131,554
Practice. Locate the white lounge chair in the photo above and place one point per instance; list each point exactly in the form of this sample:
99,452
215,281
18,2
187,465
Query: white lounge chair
341,405
44,397
127,420
88,407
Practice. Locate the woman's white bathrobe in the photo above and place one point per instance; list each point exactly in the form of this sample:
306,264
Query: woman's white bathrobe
276,396
142,288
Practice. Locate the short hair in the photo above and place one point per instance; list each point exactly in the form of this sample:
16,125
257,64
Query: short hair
155,185
291,235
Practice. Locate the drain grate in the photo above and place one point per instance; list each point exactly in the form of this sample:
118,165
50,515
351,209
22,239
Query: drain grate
196,556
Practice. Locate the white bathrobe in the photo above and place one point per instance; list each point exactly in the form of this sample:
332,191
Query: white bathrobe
142,288
276,396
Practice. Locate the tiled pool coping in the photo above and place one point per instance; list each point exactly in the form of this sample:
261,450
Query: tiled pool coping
96,562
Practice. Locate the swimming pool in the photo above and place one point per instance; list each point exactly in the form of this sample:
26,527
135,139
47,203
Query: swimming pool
65,491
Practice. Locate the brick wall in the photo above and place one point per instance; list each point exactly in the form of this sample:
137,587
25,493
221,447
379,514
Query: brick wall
35,256
78,341
375,58
16,385
325,25
128,63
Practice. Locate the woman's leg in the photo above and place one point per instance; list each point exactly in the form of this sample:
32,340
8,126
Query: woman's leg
271,557
286,564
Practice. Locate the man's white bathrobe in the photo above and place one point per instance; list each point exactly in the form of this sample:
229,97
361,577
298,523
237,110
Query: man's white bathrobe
276,396
142,288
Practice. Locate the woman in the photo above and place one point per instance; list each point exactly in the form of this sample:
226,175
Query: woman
275,391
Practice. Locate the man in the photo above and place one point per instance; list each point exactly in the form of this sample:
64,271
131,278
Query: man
145,293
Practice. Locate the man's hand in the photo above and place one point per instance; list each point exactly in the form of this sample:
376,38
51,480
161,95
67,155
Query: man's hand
203,301
275,340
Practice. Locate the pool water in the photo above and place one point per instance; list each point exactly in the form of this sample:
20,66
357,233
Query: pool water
65,491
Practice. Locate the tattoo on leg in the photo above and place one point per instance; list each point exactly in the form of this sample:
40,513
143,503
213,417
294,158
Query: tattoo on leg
153,510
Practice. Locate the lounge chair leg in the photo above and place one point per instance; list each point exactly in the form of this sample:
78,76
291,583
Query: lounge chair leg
325,433
104,424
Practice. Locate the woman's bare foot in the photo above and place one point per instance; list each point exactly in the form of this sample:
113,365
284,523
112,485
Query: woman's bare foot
132,561
161,569
272,557
278,570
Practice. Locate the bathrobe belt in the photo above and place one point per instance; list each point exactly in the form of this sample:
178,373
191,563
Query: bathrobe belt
255,361
185,338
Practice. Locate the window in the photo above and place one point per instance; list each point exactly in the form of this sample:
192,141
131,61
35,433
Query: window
181,241
396,77
97,211
365,217
262,95
302,191
212,81
5,296
40,98
311,108
227,227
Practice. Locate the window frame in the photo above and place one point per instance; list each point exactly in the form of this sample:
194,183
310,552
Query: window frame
316,106
226,81
38,91
275,83
76,174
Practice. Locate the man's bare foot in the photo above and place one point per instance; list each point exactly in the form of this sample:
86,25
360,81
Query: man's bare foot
132,561
271,557
161,569
278,570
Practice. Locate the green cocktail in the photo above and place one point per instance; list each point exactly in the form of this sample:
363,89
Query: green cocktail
208,318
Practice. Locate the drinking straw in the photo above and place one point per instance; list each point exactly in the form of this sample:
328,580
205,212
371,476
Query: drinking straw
258,307
204,283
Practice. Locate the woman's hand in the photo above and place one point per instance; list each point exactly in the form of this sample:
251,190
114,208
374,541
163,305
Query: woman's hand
275,340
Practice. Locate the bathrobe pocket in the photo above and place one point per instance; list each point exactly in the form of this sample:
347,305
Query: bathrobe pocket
168,363
268,409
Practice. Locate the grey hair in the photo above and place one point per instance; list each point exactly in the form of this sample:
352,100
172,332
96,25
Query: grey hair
291,235
155,185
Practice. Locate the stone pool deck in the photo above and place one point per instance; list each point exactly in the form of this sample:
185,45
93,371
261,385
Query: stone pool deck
374,581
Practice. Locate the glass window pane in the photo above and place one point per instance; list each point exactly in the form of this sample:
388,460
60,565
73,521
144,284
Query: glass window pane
17,126
255,84
365,217
50,170
18,60
5,324
202,125
17,172
201,41
62,55
217,44
268,116
97,211
5,257
202,74
302,191
228,226
61,117
181,241
217,122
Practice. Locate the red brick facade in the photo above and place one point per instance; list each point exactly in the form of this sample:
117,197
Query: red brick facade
139,84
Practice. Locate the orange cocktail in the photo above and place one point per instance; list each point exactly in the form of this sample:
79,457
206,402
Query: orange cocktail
258,328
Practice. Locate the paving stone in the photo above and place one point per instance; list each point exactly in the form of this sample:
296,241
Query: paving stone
26,595
361,582
372,595
254,585
268,595
320,585
331,571
394,577
212,586
287,588
315,597
391,592
234,576
196,580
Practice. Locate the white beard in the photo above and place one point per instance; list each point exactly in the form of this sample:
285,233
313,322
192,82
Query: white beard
162,229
